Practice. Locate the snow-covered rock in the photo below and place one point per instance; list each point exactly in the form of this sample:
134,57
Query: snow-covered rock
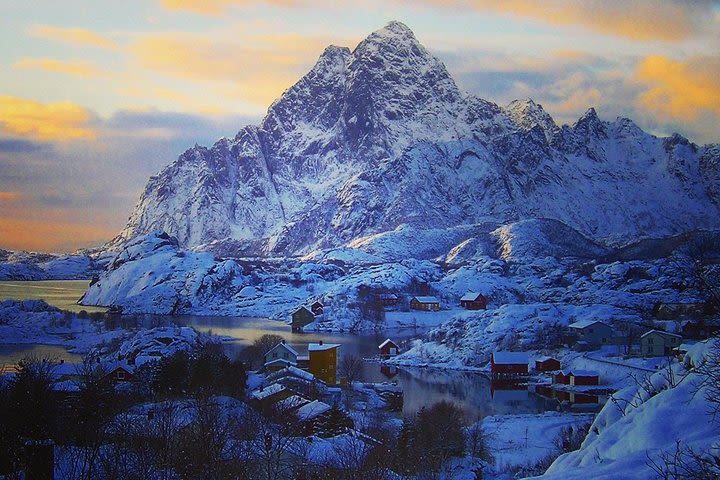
46,266
381,136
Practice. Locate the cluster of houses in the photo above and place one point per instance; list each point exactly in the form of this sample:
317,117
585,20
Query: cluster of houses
593,334
303,386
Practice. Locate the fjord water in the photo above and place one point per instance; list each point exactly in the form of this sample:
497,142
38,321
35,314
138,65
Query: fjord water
421,386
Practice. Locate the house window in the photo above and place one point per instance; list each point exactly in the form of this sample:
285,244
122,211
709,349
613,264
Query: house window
651,341
121,375
275,355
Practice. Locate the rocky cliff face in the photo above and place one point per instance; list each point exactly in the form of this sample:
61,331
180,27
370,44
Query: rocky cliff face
381,136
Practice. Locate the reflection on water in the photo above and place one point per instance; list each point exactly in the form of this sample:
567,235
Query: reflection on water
422,387
63,294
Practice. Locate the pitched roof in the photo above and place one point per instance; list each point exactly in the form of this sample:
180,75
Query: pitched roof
387,341
545,359
261,393
287,347
586,323
318,347
427,299
279,361
662,333
583,373
510,358
471,297
312,410
303,307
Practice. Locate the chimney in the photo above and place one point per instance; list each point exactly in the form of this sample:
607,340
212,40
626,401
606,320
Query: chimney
320,342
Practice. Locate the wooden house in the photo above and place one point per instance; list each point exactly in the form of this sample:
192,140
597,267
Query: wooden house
425,303
562,377
311,414
324,361
584,377
264,398
547,364
118,371
280,356
657,343
317,308
301,318
509,363
473,301
388,299
388,349
591,334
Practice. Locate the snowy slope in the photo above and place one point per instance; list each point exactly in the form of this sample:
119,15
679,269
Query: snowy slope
381,136
46,266
642,424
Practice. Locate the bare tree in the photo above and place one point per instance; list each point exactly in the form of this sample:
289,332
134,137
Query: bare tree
351,367
697,262
685,463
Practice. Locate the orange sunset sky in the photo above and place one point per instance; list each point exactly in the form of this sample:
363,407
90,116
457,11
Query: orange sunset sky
97,96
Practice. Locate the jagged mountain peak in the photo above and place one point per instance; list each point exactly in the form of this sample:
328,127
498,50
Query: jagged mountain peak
381,135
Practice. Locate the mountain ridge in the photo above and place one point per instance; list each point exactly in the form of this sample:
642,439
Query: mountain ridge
379,136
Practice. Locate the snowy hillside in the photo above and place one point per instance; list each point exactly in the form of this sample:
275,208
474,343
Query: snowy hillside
381,137
46,266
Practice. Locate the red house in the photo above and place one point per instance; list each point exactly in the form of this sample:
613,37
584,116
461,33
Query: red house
509,363
388,348
562,377
118,372
584,377
547,364
473,301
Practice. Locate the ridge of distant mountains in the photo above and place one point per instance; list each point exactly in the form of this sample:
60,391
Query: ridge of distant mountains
381,136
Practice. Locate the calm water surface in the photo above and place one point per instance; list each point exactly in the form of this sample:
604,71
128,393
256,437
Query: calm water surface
421,386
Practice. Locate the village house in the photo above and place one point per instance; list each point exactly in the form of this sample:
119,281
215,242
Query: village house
264,398
310,414
547,364
656,343
302,317
425,303
473,301
118,371
576,377
388,349
388,299
317,308
509,363
591,334
324,361
280,356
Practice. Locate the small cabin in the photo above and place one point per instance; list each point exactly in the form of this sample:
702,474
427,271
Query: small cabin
547,364
425,303
119,372
388,349
562,377
301,318
584,377
317,308
509,363
657,343
388,299
473,301
591,333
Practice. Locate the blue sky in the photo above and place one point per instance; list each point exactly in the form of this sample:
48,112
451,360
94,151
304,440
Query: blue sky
97,96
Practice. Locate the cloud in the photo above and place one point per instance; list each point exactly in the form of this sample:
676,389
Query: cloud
216,7
49,234
259,68
683,90
14,145
74,36
634,19
9,197
44,121
76,68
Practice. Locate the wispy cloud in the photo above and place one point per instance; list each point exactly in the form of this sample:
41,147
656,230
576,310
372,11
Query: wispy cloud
669,20
216,7
76,68
44,121
680,89
74,36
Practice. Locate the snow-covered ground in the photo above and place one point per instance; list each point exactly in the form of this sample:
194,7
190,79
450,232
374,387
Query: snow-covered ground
47,266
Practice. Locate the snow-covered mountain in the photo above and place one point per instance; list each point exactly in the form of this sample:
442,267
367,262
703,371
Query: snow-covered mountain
381,136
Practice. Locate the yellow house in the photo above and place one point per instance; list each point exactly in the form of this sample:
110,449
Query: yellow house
324,361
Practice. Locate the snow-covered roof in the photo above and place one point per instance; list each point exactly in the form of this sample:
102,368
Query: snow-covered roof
544,359
303,307
111,366
312,410
279,361
583,373
387,341
298,372
510,358
318,347
261,393
286,346
303,357
660,332
293,401
470,297
427,299
586,323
